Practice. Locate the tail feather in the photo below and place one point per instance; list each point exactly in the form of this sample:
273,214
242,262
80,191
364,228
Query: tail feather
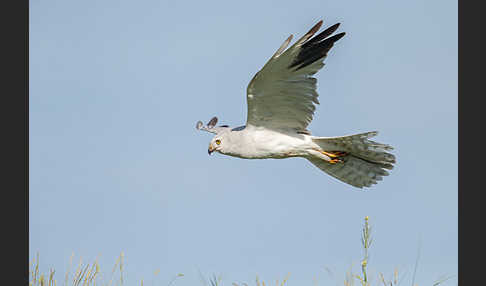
359,146
354,171
365,162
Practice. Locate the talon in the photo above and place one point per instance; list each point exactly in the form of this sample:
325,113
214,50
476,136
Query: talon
331,155
335,156
334,161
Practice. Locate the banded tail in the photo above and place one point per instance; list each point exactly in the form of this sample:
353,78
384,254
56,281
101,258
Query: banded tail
363,163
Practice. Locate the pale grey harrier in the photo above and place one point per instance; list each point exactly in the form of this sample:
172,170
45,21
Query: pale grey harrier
281,101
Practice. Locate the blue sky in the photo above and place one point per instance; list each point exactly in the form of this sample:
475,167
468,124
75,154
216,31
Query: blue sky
116,164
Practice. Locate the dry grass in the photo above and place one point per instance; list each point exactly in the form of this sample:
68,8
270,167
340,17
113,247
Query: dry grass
363,279
90,274
350,277
84,275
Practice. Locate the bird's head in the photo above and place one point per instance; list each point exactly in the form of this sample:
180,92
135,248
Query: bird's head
216,144
218,141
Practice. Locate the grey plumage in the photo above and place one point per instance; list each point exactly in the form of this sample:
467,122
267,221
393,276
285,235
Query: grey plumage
365,162
281,101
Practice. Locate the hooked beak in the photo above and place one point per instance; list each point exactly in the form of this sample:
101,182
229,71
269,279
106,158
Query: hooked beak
210,150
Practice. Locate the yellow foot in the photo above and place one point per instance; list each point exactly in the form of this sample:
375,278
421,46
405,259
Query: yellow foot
335,156
334,161
331,155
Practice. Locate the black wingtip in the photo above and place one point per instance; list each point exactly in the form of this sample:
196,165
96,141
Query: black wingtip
316,48
212,122
335,26
322,35
338,36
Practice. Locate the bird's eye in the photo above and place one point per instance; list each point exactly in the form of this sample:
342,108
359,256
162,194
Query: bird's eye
218,142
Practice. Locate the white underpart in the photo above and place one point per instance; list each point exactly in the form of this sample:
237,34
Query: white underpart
261,143
281,100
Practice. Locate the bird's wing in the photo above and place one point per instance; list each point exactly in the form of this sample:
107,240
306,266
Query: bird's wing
282,95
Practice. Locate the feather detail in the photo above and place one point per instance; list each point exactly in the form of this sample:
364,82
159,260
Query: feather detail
365,163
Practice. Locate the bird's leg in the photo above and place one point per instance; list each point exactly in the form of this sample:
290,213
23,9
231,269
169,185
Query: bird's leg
331,157
335,156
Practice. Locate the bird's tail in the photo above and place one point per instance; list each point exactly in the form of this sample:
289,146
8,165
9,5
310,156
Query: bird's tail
360,162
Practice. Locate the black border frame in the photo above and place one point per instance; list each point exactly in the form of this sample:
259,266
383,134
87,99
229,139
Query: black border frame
470,127
15,134
15,80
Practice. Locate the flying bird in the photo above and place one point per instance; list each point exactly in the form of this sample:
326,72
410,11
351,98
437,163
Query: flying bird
281,101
